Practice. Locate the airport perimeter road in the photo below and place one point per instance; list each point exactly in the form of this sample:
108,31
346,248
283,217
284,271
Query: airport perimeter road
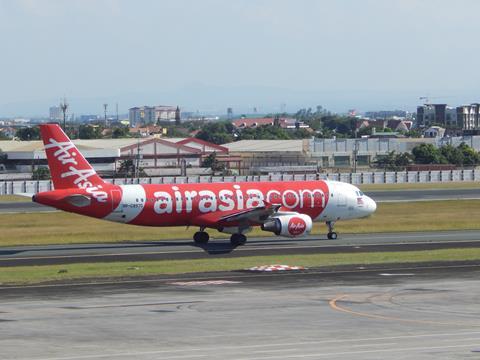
23,207
423,195
185,249
378,196
422,313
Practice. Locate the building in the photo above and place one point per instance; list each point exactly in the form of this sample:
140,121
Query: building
55,113
148,130
386,114
151,114
462,120
88,118
285,123
468,117
157,156
434,132
436,114
400,125
271,156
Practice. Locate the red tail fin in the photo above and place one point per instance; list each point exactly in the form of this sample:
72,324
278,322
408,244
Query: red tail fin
68,167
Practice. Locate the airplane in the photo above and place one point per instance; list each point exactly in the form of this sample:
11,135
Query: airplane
285,208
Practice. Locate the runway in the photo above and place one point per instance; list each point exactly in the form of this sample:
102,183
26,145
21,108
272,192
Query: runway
186,249
378,196
375,313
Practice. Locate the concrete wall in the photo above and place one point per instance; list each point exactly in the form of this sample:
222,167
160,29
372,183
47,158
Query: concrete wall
29,186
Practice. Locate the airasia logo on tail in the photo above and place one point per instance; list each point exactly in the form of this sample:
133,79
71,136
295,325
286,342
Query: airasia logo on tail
296,226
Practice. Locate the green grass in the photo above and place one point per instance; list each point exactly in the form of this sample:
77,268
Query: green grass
37,274
67,228
14,198
421,186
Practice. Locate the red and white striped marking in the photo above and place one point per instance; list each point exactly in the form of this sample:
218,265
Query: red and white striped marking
270,268
204,283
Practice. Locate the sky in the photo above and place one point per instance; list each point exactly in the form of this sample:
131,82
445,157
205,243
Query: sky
207,55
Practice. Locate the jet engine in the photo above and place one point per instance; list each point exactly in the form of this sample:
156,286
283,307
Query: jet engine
291,225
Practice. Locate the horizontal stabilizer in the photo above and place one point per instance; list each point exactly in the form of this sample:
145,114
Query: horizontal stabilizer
29,195
78,200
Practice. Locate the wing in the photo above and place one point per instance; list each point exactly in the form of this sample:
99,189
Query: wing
253,216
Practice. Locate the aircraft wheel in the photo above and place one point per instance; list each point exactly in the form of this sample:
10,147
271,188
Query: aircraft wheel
201,237
332,235
238,239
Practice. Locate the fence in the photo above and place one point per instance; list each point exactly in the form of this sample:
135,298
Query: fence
34,186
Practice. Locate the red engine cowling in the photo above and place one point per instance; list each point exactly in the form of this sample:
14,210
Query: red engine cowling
289,225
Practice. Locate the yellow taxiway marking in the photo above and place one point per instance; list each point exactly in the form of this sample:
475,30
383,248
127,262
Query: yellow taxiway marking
335,306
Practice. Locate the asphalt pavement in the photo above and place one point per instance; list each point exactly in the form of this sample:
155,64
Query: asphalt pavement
415,312
186,249
423,195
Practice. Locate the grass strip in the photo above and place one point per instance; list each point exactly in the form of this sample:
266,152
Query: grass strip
14,198
66,228
38,274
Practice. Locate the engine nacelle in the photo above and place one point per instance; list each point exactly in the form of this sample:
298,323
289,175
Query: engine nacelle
289,225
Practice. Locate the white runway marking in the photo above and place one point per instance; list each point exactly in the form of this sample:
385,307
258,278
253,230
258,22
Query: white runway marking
398,274
204,283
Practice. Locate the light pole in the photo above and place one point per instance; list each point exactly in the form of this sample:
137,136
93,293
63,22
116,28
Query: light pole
355,152
105,113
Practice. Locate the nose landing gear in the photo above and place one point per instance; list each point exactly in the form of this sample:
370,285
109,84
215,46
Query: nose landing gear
332,235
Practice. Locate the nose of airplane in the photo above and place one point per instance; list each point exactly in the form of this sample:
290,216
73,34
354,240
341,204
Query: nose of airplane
371,205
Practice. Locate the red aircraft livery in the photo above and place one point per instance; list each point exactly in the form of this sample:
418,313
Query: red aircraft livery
283,208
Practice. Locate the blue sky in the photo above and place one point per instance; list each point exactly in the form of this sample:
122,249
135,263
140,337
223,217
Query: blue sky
207,55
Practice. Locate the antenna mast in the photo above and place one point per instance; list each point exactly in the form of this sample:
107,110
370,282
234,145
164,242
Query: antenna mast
64,107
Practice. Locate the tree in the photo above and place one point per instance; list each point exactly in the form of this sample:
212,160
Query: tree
452,154
413,133
89,132
174,131
28,133
127,169
120,132
216,132
41,173
264,132
470,156
393,161
212,162
428,154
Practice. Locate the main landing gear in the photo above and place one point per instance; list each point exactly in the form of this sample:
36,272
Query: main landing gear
332,235
201,237
238,239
